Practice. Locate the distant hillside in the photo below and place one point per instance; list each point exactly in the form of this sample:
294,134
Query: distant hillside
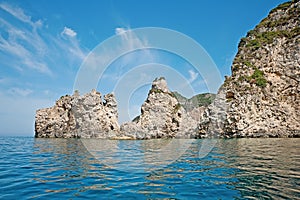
198,100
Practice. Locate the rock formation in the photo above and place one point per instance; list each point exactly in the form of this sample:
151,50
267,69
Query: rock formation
161,116
262,97
88,117
79,116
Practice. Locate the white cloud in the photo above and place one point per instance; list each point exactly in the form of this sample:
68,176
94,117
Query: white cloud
23,47
71,46
38,65
16,12
130,39
19,14
20,92
68,32
120,31
116,56
193,75
39,23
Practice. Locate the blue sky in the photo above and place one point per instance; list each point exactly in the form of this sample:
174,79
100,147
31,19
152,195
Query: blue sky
43,44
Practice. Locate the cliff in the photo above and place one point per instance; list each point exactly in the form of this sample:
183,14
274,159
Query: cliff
262,97
79,116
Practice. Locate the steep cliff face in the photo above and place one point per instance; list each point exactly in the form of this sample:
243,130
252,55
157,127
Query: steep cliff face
79,116
262,97
161,116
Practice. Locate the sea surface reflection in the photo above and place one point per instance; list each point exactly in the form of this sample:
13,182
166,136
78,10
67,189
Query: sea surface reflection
149,169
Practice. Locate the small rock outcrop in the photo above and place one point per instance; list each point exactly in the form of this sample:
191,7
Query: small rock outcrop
162,116
262,97
78,116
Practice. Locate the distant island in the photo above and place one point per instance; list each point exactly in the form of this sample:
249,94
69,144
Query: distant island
260,99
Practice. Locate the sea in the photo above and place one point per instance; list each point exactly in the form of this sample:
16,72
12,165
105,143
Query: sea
36,168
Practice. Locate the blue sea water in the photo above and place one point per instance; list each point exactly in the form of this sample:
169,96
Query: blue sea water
149,169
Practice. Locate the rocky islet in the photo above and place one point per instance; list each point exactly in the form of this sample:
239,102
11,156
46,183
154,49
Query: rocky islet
86,116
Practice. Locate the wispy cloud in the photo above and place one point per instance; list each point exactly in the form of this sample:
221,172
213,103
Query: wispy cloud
130,39
19,14
23,48
70,46
126,41
193,75
20,92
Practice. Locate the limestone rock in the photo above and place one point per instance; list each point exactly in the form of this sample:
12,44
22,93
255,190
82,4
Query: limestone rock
79,116
161,116
262,97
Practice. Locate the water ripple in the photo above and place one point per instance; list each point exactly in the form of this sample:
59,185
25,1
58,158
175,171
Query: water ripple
64,169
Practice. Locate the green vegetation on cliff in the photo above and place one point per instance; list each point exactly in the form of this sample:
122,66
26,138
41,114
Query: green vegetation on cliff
198,100
259,78
270,28
263,91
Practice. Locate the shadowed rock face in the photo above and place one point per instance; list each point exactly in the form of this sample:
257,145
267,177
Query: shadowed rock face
262,97
79,116
161,116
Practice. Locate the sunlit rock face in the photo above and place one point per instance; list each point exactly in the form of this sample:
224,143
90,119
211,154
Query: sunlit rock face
84,116
162,116
88,116
262,96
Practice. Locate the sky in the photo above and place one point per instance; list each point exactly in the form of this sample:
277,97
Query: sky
45,44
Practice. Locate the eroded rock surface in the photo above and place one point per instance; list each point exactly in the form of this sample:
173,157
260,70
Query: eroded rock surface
161,116
262,97
79,116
